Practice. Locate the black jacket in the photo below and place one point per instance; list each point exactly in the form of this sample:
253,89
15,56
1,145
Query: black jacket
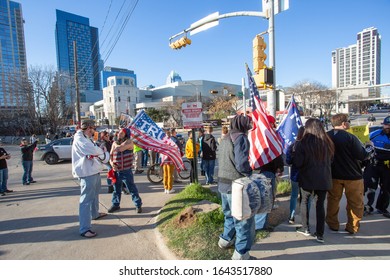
209,147
28,151
349,152
313,175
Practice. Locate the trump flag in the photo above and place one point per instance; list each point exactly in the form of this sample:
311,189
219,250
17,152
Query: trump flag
147,135
288,128
265,143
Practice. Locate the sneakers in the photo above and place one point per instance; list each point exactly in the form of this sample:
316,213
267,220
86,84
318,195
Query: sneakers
138,171
291,221
2,194
223,244
303,231
319,238
26,184
368,210
171,191
113,208
138,210
110,189
32,182
9,191
386,214
238,256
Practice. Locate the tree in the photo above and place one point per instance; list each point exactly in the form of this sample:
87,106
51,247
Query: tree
313,96
157,115
222,106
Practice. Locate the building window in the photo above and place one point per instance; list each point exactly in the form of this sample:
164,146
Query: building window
119,82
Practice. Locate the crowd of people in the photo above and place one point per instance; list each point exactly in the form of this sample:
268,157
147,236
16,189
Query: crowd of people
324,165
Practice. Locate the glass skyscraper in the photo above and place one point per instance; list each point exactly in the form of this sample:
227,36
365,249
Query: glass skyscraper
73,28
13,63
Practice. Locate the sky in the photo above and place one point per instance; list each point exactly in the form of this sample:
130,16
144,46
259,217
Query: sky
305,36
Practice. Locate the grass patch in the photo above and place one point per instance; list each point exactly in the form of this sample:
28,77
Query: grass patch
197,240
283,187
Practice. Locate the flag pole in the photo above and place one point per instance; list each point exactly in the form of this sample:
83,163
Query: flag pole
243,95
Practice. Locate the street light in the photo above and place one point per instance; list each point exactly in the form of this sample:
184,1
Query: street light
213,19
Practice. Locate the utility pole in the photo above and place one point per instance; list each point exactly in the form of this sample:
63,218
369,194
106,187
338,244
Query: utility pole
76,80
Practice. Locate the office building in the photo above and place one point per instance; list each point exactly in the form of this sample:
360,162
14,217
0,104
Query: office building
72,28
13,63
358,64
114,71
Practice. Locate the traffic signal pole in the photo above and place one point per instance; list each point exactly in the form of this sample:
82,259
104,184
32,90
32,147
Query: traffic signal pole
271,95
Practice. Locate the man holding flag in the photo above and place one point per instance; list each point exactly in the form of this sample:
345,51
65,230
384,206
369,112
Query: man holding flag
147,135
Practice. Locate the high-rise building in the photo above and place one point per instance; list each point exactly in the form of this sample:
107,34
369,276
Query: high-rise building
13,63
72,28
358,64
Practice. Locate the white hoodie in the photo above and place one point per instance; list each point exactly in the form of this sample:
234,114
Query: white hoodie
81,148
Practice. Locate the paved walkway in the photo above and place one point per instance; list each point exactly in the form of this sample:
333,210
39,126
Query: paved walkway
40,221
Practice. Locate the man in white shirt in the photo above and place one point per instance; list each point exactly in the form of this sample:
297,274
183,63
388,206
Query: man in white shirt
87,160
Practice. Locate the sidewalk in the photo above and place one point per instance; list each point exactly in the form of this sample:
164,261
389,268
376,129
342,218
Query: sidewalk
40,221
371,243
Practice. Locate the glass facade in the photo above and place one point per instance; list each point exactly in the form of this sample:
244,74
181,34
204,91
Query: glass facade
72,28
13,63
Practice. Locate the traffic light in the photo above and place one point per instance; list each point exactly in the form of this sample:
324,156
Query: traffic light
265,78
213,91
182,42
259,55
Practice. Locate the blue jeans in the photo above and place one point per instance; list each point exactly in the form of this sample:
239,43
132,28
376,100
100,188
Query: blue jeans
27,167
3,179
125,176
243,231
261,220
208,167
293,198
89,200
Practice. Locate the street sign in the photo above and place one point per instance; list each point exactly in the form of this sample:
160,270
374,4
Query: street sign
191,113
279,6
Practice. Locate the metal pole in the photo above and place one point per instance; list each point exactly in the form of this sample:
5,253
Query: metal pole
76,80
243,95
195,163
271,96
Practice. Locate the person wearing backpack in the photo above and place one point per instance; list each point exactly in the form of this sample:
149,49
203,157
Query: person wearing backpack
209,154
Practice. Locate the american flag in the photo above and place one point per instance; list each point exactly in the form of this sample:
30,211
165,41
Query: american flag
147,135
265,144
288,128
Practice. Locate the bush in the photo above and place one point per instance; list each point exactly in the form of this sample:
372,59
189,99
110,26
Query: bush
283,187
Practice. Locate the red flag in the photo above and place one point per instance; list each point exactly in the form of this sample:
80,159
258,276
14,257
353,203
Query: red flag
265,144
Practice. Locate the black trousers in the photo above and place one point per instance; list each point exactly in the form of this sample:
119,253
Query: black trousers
382,202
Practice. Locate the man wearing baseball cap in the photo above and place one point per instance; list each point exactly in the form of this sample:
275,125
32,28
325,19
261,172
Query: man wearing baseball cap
381,165
87,159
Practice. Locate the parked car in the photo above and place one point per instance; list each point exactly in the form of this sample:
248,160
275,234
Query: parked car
56,150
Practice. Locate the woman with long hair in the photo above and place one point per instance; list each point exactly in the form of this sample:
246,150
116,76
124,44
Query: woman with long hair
313,157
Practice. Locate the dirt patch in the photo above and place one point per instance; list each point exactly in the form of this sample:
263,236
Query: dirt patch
186,217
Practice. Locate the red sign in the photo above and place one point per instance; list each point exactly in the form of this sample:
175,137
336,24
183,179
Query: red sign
192,115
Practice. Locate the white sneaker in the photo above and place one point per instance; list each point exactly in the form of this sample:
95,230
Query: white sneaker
171,191
238,256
